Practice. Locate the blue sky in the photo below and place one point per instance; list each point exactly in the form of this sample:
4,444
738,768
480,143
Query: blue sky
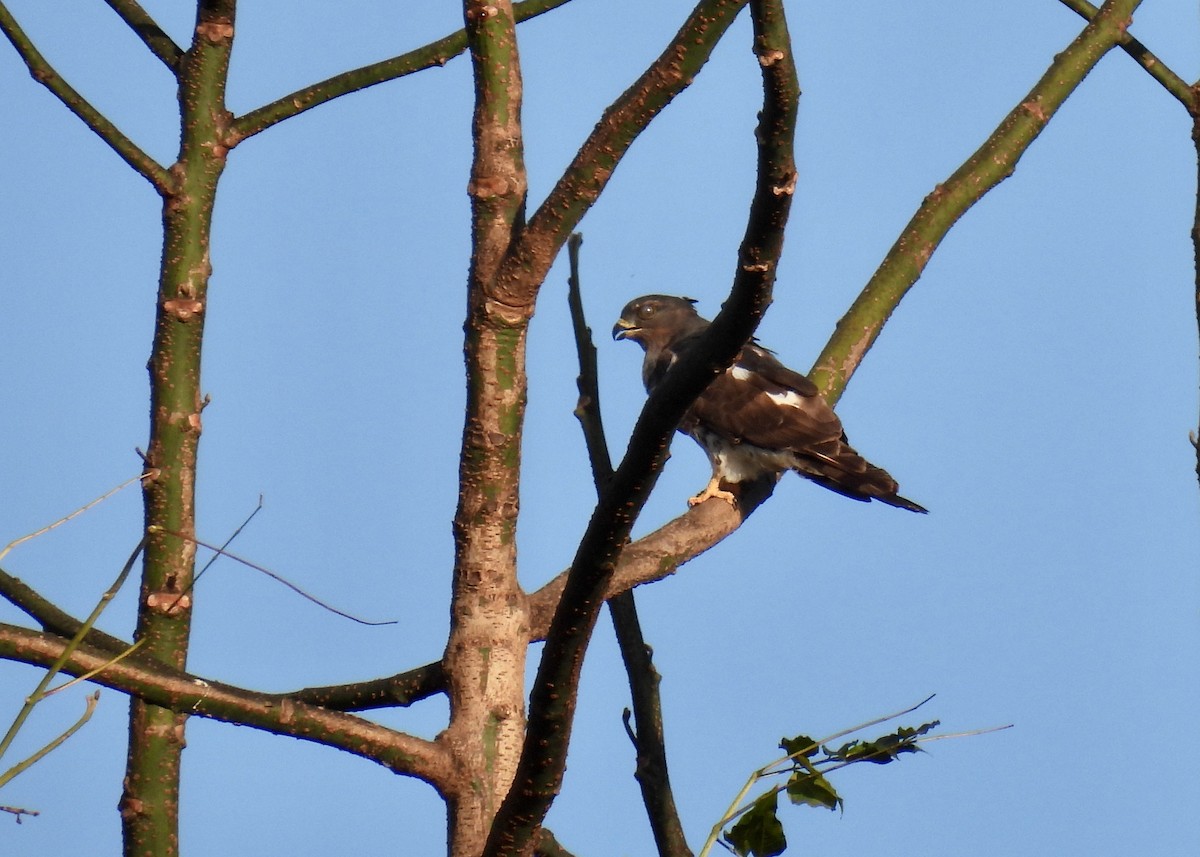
1035,391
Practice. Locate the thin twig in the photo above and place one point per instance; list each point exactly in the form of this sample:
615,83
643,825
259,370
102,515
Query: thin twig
970,733
18,812
271,574
740,806
436,53
87,676
884,719
218,554
75,514
74,643
24,765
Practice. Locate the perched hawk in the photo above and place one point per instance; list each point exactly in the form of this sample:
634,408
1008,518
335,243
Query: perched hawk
757,417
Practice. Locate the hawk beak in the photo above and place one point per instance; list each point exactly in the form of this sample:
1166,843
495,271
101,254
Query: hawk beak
623,329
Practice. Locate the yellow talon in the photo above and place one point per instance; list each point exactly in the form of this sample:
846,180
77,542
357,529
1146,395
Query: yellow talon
713,489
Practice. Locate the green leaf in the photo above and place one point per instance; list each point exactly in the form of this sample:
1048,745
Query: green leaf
884,749
801,745
812,789
758,832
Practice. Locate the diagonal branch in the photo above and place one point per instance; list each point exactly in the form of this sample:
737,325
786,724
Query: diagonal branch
436,53
552,701
993,162
660,553
580,185
655,556
50,616
182,692
25,764
44,73
1154,66
650,558
147,29
652,772
400,690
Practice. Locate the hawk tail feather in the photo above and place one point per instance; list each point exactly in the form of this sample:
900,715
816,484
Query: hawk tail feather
841,469
903,503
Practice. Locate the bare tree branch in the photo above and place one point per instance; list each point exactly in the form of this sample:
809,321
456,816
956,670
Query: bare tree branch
487,611
152,35
28,762
176,690
588,174
552,700
993,162
51,617
659,554
399,690
587,409
390,692
150,797
1154,66
650,558
434,54
649,741
18,812
44,73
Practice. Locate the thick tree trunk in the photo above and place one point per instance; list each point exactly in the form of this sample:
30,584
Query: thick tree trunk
485,656
489,633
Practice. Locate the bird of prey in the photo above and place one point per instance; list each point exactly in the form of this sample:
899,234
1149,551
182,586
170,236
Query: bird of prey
758,417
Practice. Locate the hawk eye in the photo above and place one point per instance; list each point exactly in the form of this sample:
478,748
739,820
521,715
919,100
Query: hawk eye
646,310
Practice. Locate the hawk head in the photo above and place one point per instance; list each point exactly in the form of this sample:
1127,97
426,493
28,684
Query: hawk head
656,321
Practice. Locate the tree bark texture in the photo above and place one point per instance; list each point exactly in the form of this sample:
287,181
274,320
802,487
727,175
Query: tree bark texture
150,800
484,661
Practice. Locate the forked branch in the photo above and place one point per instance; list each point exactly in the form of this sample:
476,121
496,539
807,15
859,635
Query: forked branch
1154,66
624,120
652,772
552,700
179,691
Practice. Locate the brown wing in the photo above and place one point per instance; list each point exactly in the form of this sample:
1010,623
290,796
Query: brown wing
757,402
760,401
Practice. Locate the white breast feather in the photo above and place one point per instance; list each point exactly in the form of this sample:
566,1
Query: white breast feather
741,462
